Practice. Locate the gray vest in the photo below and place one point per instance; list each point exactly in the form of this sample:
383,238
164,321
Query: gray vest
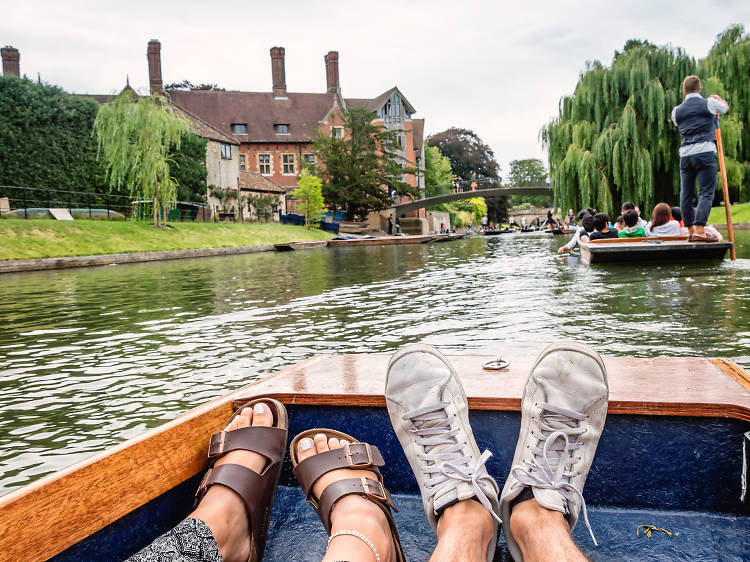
694,121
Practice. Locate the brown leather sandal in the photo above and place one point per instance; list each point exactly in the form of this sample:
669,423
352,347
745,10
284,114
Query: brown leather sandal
255,489
356,455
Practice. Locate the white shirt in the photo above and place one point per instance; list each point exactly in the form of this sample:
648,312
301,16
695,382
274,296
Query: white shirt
671,228
714,106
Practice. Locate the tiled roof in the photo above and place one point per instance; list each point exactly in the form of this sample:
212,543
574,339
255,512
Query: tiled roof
206,130
377,103
259,110
256,182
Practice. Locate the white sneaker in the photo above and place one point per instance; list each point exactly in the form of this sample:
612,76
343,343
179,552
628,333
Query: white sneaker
430,415
563,412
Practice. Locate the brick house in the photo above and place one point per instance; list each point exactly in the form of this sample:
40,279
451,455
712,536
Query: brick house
275,129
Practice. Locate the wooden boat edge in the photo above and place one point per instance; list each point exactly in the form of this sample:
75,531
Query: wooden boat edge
138,470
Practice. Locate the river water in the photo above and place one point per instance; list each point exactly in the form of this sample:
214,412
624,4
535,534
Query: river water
90,357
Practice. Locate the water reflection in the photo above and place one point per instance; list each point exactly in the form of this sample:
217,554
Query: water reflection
89,357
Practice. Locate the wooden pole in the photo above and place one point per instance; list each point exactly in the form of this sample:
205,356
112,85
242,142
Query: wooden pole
725,187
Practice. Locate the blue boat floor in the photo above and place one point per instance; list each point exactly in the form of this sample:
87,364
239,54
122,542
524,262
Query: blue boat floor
296,533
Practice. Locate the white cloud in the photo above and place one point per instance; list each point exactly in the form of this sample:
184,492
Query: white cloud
498,68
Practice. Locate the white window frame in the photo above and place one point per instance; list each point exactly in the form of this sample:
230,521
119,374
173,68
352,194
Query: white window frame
287,164
226,151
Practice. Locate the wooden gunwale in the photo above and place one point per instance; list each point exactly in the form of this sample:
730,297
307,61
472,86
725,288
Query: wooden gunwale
61,509
383,240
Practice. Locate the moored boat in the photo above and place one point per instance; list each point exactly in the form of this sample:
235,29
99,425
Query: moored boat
670,456
662,248
289,246
448,237
492,232
383,240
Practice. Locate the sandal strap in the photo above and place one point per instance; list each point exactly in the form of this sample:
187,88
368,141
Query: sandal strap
256,491
372,490
354,455
267,441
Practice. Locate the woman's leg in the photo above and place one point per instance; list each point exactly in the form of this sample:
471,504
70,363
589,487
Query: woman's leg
351,513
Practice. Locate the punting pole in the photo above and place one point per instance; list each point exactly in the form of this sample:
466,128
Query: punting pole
725,187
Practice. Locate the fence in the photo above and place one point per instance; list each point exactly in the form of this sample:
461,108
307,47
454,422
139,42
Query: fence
33,200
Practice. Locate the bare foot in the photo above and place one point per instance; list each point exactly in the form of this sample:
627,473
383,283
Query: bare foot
221,508
351,512
464,533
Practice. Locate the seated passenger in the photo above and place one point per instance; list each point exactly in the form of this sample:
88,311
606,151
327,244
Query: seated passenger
631,230
587,225
620,223
627,206
601,224
677,215
662,223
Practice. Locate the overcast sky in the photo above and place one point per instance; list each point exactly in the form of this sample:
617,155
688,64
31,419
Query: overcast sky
498,68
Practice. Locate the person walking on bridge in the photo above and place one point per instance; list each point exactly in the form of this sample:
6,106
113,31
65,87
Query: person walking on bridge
694,118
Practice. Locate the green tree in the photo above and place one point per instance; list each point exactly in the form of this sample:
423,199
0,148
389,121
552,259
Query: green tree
135,137
529,172
469,156
437,168
187,165
360,169
310,195
45,137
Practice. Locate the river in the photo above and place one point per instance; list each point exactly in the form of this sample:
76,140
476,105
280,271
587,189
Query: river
90,357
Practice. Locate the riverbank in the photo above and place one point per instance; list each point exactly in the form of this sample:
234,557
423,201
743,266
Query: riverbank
740,214
38,238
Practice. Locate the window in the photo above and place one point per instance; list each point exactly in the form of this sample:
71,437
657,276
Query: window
226,151
337,132
239,128
309,158
288,161
242,162
264,164
281,128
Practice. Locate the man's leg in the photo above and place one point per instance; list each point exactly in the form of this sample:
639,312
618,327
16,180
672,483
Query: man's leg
706,171
687,192
563,411
429,413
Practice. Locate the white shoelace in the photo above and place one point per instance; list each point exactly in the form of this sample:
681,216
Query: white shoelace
558,431
444,466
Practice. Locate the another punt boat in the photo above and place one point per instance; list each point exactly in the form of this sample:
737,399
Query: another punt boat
558,231
498,231
289,246
382,240
670,456
448,237
661,248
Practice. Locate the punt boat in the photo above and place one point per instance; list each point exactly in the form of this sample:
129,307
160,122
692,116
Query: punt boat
657,248
290,246
492,232
670,457
448,237
383,240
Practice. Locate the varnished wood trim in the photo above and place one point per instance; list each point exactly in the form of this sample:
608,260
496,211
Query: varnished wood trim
733,370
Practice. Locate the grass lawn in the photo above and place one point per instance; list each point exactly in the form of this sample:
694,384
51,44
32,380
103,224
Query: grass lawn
44,238
740,213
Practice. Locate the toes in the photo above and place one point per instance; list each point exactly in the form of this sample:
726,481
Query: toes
333,443
321,443
305,449
262,415
242,420
344,442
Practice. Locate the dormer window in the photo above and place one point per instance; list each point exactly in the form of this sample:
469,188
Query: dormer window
281,128
239,128
391,110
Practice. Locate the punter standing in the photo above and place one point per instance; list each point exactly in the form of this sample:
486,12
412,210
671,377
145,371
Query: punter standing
694,118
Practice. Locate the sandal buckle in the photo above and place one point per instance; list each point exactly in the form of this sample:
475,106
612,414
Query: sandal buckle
350,461
379,493
211,451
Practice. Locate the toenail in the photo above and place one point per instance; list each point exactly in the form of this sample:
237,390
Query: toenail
305,444
259,408
319,436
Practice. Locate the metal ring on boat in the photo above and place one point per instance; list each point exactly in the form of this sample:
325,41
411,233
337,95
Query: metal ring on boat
498,364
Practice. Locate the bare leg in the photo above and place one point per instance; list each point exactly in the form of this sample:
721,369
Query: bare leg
353,512
543,534
464,532
221,508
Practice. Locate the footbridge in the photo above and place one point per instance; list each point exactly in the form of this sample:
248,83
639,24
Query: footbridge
446,193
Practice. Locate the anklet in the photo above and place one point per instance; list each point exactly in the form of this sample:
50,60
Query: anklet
360,536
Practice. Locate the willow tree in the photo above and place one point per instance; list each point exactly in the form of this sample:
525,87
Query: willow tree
725,72
135,136
613,139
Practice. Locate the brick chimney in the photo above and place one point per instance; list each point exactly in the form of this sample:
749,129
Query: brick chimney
11,61
278,72
154,65
332,71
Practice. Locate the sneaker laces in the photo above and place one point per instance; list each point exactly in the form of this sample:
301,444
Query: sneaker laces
558,429
442,461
